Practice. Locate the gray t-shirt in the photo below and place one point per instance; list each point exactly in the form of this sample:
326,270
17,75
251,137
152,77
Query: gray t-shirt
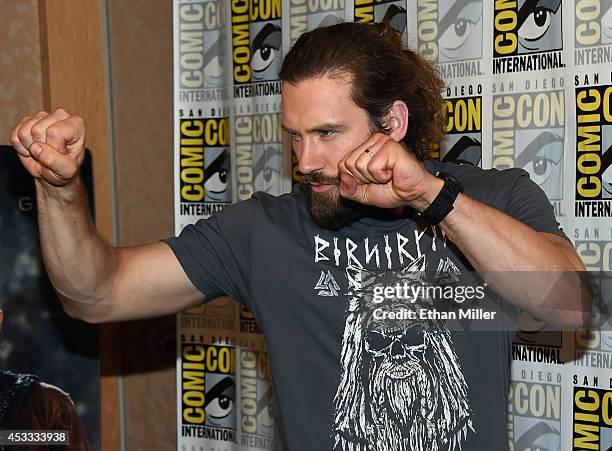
343,377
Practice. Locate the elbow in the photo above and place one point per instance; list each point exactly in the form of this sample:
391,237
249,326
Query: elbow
85,317
574,320
85,311
567,304
584,300
564,319
576,304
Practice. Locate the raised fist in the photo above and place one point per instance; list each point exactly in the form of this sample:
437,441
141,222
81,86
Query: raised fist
51,145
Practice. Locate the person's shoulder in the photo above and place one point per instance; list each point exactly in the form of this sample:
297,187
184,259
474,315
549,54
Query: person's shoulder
294,197
42,393
474,175
278,205
262,208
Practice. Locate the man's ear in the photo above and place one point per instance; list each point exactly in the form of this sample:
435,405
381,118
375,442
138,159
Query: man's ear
396,120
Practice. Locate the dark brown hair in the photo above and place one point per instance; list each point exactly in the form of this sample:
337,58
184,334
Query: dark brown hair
382,70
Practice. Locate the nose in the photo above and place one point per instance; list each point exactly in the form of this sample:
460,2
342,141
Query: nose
309,156
397,351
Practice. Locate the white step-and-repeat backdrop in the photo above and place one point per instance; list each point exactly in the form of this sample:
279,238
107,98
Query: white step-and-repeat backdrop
529,84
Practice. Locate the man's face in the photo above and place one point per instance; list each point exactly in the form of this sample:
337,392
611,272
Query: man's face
324,125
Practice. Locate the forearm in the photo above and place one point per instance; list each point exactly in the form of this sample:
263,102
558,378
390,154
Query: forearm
80,263
527,268
540,272
94,281
493,241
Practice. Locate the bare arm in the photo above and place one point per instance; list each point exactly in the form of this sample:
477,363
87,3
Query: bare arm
539,272
94,281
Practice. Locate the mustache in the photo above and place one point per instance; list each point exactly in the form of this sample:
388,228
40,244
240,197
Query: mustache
321,178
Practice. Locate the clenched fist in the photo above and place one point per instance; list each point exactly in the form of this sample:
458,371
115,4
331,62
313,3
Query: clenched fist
51,145
381,173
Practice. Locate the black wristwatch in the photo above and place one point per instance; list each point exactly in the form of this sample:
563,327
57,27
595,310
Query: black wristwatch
443,203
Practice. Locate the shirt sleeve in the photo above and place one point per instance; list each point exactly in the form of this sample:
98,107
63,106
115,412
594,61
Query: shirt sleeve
216,252
528,203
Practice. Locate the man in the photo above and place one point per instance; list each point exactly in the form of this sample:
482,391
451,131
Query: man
362,113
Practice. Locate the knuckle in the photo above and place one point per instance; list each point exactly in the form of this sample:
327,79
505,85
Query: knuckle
22,134
59,110
78,120
37,129
53,131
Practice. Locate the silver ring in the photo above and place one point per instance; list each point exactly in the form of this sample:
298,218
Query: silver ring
369,152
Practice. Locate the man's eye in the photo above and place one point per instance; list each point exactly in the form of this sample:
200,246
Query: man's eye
377,341
326,133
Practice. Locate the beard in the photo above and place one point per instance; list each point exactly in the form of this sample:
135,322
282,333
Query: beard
328,209
403,400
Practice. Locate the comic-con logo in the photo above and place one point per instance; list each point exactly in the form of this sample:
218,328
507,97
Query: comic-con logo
532,343
593,151
208,391
392,12
256,47
528,133
527,35
593,346
463,140
534,412
204,165
256,399
259,157
306,15
216,314
449,33
593,32
592,417
200,44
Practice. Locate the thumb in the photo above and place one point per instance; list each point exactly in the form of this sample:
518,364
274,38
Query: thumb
348,185
351,189
56,167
